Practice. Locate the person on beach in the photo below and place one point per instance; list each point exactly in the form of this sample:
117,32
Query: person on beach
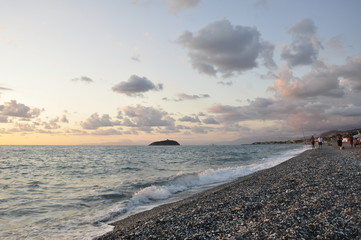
357,142
320,142
351,141
312,139
339,142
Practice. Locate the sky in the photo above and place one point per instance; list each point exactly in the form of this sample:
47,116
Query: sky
131,72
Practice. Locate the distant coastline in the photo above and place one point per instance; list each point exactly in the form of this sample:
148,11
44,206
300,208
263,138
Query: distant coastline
280,142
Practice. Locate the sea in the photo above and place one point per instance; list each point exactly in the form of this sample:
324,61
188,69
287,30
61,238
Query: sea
75,192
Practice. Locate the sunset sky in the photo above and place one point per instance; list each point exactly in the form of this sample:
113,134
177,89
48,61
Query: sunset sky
197,71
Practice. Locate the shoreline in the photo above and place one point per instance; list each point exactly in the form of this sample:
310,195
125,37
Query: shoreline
313,195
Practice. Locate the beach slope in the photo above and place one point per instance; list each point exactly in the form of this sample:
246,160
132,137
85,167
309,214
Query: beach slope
316,195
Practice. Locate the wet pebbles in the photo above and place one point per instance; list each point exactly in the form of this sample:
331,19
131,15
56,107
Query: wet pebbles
316,195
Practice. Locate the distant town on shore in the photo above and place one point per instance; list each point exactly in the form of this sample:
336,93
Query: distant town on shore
327,136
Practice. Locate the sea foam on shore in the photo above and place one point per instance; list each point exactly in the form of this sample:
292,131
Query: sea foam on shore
315,195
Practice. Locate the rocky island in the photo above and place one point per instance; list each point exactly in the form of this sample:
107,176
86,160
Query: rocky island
165,143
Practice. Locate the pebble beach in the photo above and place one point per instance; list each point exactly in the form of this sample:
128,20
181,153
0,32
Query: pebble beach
315,195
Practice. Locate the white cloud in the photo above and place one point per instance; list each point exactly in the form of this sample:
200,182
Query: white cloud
221,48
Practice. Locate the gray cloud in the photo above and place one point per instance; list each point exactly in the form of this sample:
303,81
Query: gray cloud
184,96
349,111
259,109
305,46
311,115
64,119
3,119
210,120
189,119
136,85
352,72
14,109
322,81
5,89
305,27
221,48
199,130
83,79
51,124
95,122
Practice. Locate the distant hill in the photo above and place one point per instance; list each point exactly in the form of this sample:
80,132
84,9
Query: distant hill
336,133
165,143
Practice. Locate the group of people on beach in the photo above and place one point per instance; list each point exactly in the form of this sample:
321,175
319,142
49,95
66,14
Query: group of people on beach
319,140
353,142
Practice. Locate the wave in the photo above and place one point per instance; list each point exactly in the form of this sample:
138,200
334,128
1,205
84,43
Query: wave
184,182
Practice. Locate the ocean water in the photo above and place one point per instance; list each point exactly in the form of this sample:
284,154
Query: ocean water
74,192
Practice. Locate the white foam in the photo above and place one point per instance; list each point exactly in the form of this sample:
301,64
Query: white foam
185,182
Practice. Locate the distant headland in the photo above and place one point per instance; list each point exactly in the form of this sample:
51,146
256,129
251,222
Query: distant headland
164,143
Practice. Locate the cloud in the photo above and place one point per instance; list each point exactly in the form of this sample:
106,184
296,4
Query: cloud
184,96
5,89
261,3
305,47
210,120
305,27
189,119
14,109
228,114
335,42
64,119
136,85
136,58
199,130
3,119
180,5
107,132
352,72
52,124
221,48
258,109
83,79
349,111
141,116
294,114
322,81
95,122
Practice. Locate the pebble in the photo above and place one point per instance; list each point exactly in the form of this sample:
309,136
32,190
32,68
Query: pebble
316,195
